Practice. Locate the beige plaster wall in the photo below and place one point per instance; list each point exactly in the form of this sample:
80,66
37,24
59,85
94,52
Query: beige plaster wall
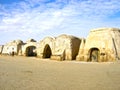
63,47
42,44
103,40
66,47
30,42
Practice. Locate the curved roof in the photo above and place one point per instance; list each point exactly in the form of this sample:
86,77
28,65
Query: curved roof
67,36
105,29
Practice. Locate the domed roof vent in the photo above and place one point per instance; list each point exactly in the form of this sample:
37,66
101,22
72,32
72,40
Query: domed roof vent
30,40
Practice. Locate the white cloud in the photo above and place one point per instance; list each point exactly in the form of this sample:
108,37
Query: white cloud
32,22
34,17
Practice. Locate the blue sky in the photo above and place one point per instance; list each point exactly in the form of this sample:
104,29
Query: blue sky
24,19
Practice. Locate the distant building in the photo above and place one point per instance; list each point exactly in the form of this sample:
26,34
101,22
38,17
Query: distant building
13,46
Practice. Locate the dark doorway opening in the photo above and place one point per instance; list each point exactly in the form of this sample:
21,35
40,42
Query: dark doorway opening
47,52
94,55
30,51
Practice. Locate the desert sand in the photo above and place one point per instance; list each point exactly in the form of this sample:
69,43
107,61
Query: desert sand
30,73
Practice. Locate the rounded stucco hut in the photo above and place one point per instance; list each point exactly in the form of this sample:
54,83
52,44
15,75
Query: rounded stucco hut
13,46
45,47
63,47
66,47
102,45
29,48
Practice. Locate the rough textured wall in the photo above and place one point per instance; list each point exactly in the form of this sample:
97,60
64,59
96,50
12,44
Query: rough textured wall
75,46
28,47
62,48
104,41
12,47
59,48
80,56
44,46
5,49
116,42
65,47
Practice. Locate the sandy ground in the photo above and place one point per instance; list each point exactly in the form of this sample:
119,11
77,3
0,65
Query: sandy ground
29,73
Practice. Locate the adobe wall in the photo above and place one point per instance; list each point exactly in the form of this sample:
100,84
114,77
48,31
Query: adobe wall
29,43
65,47
80,56
106,40
75,44
116,42
42,46
10,47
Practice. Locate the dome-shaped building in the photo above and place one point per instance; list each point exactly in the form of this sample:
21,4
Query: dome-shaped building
13,47
102,44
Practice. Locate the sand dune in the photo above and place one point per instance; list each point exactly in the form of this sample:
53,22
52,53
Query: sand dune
30,73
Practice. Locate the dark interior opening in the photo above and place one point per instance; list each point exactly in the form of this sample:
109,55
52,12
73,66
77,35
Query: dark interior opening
94,54
30,51
47,52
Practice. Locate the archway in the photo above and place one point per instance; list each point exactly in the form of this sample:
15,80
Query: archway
30,51
94,55
47,52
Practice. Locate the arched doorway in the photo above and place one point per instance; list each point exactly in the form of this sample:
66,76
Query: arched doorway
30,51
47,52
94,55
